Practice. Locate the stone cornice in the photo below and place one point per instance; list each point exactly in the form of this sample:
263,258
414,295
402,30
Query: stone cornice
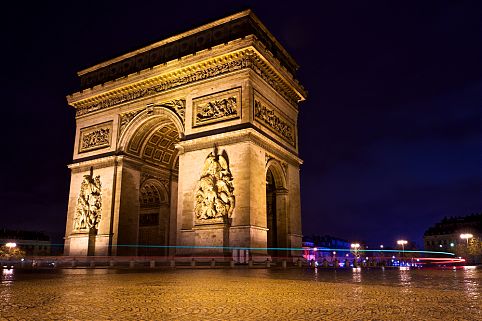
107,161
83,166
245,58
243,135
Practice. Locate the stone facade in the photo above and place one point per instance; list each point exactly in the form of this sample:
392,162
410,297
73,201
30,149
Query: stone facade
182,151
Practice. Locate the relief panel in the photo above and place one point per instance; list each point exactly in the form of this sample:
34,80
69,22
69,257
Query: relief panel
95,137
269,116
222,106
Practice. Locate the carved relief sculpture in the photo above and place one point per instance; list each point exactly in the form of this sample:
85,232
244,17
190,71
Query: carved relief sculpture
176,105
95,137
216,107
270,118
89,204
214,199
126,118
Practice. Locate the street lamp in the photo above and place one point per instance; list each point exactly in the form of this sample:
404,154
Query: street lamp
11,245
402,243
466,236
355,247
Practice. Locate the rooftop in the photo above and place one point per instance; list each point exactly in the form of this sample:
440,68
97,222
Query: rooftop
221,31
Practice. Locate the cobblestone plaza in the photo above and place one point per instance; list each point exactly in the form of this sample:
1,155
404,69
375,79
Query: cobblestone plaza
241,294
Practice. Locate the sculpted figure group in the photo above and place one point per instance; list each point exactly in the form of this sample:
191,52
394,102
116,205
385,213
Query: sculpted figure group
89,204
214,199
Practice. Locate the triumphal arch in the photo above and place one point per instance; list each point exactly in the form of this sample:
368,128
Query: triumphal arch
188,146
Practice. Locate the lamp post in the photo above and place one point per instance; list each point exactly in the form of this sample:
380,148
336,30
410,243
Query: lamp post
11,245
466,236
402,243
355,247
382,256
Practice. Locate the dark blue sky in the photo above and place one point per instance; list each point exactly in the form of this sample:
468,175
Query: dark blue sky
391,132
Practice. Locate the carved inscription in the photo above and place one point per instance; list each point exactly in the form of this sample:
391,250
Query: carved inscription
217,107
89,204
272,119
236,62
214,198
95,137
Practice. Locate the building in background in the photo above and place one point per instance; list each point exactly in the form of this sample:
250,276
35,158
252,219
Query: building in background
446,236
34,243
319,247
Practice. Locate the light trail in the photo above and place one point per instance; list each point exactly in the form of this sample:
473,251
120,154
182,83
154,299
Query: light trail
321,249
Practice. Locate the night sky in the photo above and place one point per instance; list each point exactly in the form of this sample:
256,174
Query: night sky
390,134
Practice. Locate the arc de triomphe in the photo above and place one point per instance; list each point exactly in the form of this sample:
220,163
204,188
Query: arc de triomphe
188,147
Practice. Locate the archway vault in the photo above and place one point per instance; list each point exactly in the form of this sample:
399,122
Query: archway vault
152,136
276,208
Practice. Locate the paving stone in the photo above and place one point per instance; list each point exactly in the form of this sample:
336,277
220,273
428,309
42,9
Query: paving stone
239,295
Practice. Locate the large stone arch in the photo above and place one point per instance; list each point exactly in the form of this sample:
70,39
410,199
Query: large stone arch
276,209
236,96
148,144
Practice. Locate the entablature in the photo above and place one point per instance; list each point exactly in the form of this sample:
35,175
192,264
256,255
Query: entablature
247,53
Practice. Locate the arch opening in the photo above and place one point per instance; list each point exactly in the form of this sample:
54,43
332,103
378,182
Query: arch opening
276,210
272,235
152,145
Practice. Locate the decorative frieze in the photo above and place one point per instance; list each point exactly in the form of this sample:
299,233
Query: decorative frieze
89,204
232,62
214,197
95,137
269,116
217,107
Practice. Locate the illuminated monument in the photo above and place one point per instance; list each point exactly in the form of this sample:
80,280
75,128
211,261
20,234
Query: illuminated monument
191,141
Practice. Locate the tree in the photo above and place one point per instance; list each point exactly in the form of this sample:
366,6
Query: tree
11,252
471,249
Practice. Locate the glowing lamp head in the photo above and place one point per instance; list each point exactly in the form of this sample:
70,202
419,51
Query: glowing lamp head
466,236
354,245
11,245
401,242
